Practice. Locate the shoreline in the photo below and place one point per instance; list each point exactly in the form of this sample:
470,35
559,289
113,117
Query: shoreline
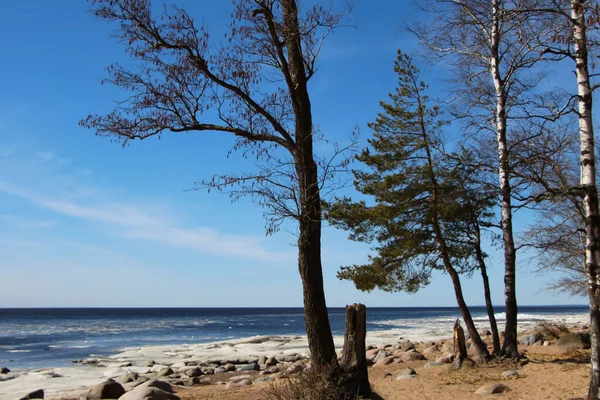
73,381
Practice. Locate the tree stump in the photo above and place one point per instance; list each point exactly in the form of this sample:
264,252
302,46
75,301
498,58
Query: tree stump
461,357
355,377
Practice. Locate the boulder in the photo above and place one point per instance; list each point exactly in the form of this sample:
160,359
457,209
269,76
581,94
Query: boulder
149,363
162,385
448,347
529,340
407,373
148,393
385,361
4,370
166,372
381,354
262,360
431,352
512,373
574,341
229,367
371,354
406,345
412,356
249,367
127,378
106,390
271,361
492,388
428,343
38,394
193,372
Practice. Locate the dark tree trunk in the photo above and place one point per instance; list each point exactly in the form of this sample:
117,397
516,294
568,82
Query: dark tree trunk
487,292
318,331
355,377
461,356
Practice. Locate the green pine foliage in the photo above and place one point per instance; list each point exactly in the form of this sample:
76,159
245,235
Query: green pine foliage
417,192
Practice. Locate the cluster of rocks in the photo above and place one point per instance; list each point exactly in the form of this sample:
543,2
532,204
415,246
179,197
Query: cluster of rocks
155,381
437,353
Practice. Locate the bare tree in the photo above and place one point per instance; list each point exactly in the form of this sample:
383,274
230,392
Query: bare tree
491,56
255,87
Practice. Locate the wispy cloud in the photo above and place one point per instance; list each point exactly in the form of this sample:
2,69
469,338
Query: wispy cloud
130,220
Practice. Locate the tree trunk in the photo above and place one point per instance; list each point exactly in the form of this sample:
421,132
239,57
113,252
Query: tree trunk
588,185
487,292
509,347
355,377
318,330
461,357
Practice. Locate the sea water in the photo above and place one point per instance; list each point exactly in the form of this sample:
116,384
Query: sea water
53,337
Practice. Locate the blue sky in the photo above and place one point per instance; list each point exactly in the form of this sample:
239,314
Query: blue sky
85,222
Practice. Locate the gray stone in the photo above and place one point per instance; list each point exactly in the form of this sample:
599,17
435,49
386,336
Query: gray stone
208,371
263,380
166,372
385,361
574,341
229,367
38,394
432,364
148,393
162,385
407,373
529,340
406,345
248,367
271,361
492,388
381,354
193,372
4,370
219,370
129,377
510,374
106,390
149,363
262,360
412,356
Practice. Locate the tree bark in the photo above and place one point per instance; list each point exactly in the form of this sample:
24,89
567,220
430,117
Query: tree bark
588,184
461,356
487,292
355,377
509,347
318,330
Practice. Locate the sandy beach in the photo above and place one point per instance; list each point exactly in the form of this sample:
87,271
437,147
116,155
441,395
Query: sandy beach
547,372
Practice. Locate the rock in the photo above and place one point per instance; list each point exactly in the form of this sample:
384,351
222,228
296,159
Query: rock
229,367
385,361
262,360
486,332
381,354
407,345
243,382
271,361
195,381
407,373
431,352
4,370
265,372
125,364
208,371
238,378
432,364
166,372
546,343
162,385
448,347
529,340
510,374
150,363
263,380
574,341
106,390
38,394
428,343
492,388
445,359
249,367
129,377
220,370
193,372
294,368
412,356
371,354
148,393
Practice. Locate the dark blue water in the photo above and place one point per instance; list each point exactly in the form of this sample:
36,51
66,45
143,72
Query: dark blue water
35,338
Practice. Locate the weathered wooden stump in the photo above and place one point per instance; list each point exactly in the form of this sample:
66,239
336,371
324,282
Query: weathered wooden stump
461,357
355,376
